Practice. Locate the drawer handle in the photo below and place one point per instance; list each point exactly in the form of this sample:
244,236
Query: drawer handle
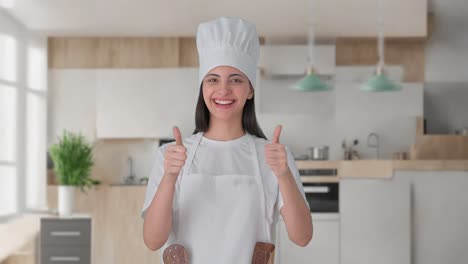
316,189
61,258
65,233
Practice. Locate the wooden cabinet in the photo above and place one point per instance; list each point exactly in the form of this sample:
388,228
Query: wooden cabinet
375,221
145,103
323,248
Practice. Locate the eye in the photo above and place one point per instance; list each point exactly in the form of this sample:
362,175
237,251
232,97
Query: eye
211,80
237,80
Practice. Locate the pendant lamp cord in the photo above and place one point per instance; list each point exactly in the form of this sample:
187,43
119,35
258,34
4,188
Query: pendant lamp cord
311,37
380,22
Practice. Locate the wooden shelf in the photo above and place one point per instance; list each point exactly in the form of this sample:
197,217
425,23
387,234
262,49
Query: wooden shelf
438,147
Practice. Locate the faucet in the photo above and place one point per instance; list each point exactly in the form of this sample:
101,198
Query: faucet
131,177
375,145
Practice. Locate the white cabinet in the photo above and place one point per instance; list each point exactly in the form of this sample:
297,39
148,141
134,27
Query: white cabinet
439,216
323,248
292,59
72,102
375,221
141,103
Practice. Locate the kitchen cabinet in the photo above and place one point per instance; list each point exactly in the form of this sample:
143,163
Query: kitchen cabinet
117,226
72,102
375,221
145,103
323,248
439,215
65,240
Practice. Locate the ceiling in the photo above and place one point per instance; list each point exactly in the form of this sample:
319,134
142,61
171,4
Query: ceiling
180,17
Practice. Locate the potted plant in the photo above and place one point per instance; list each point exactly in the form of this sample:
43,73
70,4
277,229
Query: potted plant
73,160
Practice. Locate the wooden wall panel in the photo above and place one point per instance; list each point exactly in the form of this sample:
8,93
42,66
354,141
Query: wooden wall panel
123,52
72,52
113,52
410,53
161,52
188,52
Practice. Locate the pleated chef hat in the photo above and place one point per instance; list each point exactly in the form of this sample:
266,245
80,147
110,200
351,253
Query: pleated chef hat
228,41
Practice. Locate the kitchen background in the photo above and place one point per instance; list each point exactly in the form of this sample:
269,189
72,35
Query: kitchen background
114,80
325,118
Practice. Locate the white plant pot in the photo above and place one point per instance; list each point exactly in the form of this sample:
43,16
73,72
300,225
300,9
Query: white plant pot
66,196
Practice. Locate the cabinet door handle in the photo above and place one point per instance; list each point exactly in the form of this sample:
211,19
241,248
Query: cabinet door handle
64,258
65,233
316,189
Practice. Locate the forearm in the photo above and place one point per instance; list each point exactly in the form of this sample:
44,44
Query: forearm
158,219
295,212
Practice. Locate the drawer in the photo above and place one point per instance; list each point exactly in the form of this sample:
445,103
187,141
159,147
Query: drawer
65,231
65,255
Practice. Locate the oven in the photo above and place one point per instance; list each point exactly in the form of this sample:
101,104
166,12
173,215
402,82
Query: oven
322,197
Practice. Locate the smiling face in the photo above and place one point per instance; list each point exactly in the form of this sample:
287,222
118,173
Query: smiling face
225,91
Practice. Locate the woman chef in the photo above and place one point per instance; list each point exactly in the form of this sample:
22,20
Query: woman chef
220,190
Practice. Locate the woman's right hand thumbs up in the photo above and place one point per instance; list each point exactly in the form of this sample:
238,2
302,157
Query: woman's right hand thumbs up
175,156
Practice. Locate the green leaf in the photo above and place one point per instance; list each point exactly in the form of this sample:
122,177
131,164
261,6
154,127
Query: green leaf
73,159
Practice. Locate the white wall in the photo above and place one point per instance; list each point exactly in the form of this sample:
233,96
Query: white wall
308,119
72,106
327,118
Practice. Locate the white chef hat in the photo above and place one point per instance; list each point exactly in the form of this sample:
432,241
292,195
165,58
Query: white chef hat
229,41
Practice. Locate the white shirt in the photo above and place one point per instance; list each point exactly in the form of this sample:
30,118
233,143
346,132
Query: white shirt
228,157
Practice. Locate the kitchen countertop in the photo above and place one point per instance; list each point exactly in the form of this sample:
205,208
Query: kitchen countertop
362,169
376,168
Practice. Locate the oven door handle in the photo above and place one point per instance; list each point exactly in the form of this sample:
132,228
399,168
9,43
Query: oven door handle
316,189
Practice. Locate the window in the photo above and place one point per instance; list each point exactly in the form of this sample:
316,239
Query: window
23,99
8,126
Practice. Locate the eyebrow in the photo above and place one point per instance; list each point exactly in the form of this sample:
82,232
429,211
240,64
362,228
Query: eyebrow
231,75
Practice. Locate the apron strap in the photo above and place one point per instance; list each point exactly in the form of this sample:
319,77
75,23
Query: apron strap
259,177
188,164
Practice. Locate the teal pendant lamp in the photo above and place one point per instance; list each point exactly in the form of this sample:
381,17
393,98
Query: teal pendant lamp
379,82
311,82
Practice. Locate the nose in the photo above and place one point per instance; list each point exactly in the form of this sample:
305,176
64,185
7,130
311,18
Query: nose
224,87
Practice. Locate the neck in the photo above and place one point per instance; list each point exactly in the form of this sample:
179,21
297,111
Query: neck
224,130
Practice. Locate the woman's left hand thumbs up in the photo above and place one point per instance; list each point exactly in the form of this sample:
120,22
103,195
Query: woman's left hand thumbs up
275,155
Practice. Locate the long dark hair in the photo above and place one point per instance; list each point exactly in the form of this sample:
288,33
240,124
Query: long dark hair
249,119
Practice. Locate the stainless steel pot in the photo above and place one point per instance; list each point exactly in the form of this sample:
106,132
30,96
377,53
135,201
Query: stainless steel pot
318,153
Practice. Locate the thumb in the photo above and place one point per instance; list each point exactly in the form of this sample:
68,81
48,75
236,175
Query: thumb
276,134
177,136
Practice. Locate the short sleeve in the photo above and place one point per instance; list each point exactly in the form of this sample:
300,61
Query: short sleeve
297,178
156,174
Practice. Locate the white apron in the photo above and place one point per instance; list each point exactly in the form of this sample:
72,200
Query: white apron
220,217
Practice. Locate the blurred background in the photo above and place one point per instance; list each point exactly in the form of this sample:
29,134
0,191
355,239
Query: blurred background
379,129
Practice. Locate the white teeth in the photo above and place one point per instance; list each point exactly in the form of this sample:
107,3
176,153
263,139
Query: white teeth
223,102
